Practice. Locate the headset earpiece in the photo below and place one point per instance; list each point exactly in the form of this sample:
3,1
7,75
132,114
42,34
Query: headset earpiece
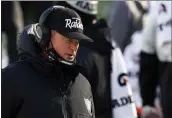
42,33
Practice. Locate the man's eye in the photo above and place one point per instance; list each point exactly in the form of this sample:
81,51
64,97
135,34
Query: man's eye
66,39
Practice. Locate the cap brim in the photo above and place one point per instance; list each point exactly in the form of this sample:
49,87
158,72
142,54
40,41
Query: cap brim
77,36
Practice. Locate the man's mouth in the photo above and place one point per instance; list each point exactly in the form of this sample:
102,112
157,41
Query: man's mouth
71,55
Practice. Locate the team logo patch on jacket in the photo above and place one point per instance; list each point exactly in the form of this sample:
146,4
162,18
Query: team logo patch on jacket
88,105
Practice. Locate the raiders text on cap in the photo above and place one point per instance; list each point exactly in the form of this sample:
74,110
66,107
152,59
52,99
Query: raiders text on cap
73,23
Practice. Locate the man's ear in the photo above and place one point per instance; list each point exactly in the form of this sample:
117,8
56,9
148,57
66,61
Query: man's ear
53,33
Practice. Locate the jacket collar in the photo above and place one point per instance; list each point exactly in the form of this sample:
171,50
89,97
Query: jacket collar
53,69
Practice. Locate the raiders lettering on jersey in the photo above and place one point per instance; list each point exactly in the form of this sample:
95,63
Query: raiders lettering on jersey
122,101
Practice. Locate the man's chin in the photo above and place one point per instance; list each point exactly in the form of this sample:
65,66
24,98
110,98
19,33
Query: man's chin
69,59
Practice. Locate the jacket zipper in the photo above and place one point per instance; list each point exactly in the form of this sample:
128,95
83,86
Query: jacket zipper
64,98
64,109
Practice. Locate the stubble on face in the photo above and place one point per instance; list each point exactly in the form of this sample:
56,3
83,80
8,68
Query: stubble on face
66,48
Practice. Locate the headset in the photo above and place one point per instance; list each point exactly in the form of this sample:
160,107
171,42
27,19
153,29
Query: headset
42,33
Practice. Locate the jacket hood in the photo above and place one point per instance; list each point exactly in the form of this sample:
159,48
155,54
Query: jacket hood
26,44
100,34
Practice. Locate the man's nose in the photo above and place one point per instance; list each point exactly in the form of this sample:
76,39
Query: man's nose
74,45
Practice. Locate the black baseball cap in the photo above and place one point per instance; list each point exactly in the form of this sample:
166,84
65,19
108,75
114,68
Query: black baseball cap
67,22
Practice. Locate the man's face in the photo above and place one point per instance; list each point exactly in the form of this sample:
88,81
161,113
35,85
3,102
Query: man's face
66,48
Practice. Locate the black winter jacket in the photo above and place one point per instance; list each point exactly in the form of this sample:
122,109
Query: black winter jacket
36,88
96,59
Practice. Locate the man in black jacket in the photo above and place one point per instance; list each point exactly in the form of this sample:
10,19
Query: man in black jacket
96,59
46,82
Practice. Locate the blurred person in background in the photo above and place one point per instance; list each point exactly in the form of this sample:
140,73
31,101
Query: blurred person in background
96,58
33,9
156,59
12,22
124,18
131,57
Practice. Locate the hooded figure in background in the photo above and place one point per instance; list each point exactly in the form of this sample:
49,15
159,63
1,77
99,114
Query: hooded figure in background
12,23
96,58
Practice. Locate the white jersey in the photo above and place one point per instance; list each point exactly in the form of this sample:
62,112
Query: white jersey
123,104
131,57
157,32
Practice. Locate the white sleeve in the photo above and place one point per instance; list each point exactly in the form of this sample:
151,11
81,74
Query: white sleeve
149,34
